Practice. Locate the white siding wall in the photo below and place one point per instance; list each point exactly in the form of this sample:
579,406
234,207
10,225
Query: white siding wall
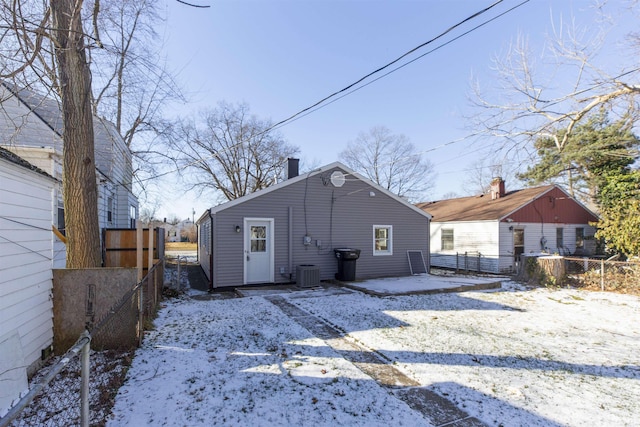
470,237
26,250
113,158
533,234
49,161
494,241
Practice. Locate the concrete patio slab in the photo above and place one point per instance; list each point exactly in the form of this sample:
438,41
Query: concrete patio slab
425,284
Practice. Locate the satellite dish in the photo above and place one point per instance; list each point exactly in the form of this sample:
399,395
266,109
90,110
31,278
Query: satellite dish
337,179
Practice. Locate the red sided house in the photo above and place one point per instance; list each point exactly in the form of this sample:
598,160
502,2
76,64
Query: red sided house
489,232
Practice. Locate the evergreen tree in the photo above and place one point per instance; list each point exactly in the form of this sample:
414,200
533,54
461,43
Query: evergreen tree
619,201
593,150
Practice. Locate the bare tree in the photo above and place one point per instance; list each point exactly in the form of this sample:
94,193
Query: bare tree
390,161
478,178
131,82
450,195
45,45
548,99
47,40
231,152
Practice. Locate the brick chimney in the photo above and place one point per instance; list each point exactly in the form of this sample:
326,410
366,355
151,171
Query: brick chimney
497,188
292,167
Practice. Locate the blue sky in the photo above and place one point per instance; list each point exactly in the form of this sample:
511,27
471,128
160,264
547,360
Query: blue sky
282,56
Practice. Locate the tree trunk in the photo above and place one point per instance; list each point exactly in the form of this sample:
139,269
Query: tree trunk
553,266
79,173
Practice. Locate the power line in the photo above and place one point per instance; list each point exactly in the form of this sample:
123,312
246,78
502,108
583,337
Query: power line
304,110
317,107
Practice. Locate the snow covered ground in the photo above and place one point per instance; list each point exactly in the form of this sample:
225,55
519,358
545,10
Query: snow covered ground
516,357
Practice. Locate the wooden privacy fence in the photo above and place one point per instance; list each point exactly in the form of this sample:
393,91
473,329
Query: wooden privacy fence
119,247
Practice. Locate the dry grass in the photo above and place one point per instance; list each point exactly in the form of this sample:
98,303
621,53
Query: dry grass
180,246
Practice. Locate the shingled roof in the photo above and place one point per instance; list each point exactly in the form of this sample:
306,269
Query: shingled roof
482,208
14,158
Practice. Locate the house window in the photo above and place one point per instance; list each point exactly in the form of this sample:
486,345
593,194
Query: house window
560,238
446,239
60,218
133,213
110,209
382,240
579,237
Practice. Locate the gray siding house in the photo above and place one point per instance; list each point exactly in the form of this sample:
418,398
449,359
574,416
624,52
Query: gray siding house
266,237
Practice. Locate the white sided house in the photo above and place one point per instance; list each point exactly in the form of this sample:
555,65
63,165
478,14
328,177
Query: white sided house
180,232
26,252
288,232
488,233
31,127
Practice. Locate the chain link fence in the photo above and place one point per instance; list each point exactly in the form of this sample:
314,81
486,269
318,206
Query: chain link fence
604,275
79,387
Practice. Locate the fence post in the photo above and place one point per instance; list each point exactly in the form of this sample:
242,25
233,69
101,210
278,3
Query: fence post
140,261
178,284
84,388
602,274
457,262
152,298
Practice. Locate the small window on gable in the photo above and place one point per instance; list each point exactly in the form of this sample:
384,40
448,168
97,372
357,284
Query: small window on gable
382,240
446,239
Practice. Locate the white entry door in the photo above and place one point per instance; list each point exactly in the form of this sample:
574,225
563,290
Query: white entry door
258,250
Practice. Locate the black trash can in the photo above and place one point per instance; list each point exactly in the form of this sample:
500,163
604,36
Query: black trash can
347,258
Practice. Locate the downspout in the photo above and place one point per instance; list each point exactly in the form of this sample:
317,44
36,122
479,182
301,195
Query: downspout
429,246
211,254
291,243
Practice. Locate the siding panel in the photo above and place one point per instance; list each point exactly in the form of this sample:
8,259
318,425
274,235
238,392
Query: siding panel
337,217
26,252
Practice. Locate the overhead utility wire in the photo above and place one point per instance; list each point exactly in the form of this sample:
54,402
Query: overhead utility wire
387,65
549,103
318,107
451,142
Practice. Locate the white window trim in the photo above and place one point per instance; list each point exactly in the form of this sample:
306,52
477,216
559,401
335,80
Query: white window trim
453,236
389,251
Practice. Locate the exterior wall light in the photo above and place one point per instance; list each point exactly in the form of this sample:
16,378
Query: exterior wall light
237,228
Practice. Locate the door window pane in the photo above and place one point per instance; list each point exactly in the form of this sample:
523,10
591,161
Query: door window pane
258,238
518,237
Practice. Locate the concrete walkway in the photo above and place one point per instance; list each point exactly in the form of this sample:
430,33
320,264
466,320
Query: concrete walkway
435,408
